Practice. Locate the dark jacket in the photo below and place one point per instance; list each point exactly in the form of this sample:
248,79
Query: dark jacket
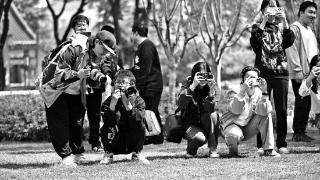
147,69
121,117
193,104
269,46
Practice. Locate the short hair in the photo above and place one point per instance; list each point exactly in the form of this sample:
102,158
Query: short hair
247,69
141,29
304,5
77,19
124,73
108,28
265,3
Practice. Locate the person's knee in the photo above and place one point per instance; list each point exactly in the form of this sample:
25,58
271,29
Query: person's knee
233,136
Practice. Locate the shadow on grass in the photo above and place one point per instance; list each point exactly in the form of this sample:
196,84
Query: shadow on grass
31,152
22,166
305,152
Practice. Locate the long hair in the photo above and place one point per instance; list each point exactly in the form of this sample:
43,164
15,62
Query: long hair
314,62
200,93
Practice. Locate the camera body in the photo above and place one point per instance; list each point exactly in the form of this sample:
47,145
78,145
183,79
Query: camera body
206,75
274,10
257,81
128,90
95,73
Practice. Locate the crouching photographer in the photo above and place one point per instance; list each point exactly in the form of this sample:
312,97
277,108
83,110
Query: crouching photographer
196,103
102,71
123,131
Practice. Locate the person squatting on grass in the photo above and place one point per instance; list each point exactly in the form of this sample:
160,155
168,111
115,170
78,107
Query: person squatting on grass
311,86
299,56
196,103
65,115
123,113
269,40
249,112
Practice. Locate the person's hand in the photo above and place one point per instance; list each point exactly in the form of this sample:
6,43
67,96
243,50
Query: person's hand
115,96
83,73
196,81
246,85
262,84
265,16
126,101
315,72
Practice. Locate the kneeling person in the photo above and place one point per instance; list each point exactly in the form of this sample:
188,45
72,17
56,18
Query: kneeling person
249,112
123,131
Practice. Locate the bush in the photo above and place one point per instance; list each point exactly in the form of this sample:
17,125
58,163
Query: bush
22,118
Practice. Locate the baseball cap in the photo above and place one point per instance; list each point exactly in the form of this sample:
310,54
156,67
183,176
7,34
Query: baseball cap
108,40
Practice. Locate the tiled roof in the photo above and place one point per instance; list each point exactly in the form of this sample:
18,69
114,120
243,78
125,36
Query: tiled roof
18,28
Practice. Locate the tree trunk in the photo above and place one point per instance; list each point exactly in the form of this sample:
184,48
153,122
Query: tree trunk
172,88
116,13
216,70
2,71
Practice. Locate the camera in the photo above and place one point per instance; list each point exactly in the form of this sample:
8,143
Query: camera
95,73
128,91
274,10
257,81
205,75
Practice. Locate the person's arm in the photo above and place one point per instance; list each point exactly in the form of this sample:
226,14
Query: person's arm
146,58
293,54
108,115
256,38
138,109
263,107
288,38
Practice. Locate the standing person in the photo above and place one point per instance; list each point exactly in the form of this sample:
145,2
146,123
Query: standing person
65,114
269,42
196,103
147,71
123,131
249,112
299,55
311,87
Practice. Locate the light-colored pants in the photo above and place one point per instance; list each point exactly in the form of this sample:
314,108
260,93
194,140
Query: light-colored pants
263,124
199,135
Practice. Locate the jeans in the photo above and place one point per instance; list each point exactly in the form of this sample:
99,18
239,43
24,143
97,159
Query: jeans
302,106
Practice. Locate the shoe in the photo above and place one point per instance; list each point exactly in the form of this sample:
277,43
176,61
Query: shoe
260,151
283,150
107,158
97,148
190,155
140,157
214,154
301,137
79,157
69,161
271,153
233,150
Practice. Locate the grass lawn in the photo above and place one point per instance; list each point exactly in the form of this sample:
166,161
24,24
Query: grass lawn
21,160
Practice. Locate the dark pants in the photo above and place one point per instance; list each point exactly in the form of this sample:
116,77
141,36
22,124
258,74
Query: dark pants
65,120
279,87
152,100
302,106
207,130
127,140
94,117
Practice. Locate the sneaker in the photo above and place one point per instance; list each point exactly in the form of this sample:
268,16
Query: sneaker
214,154
107,158
271,153
140,157
79,157
283,150
190,155
69,161
260,151
97,148
301,137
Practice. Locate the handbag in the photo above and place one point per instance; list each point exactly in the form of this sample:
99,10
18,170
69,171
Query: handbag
152,125
173,128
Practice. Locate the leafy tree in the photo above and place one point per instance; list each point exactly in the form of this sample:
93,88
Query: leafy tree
171,21
56,16
4,13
